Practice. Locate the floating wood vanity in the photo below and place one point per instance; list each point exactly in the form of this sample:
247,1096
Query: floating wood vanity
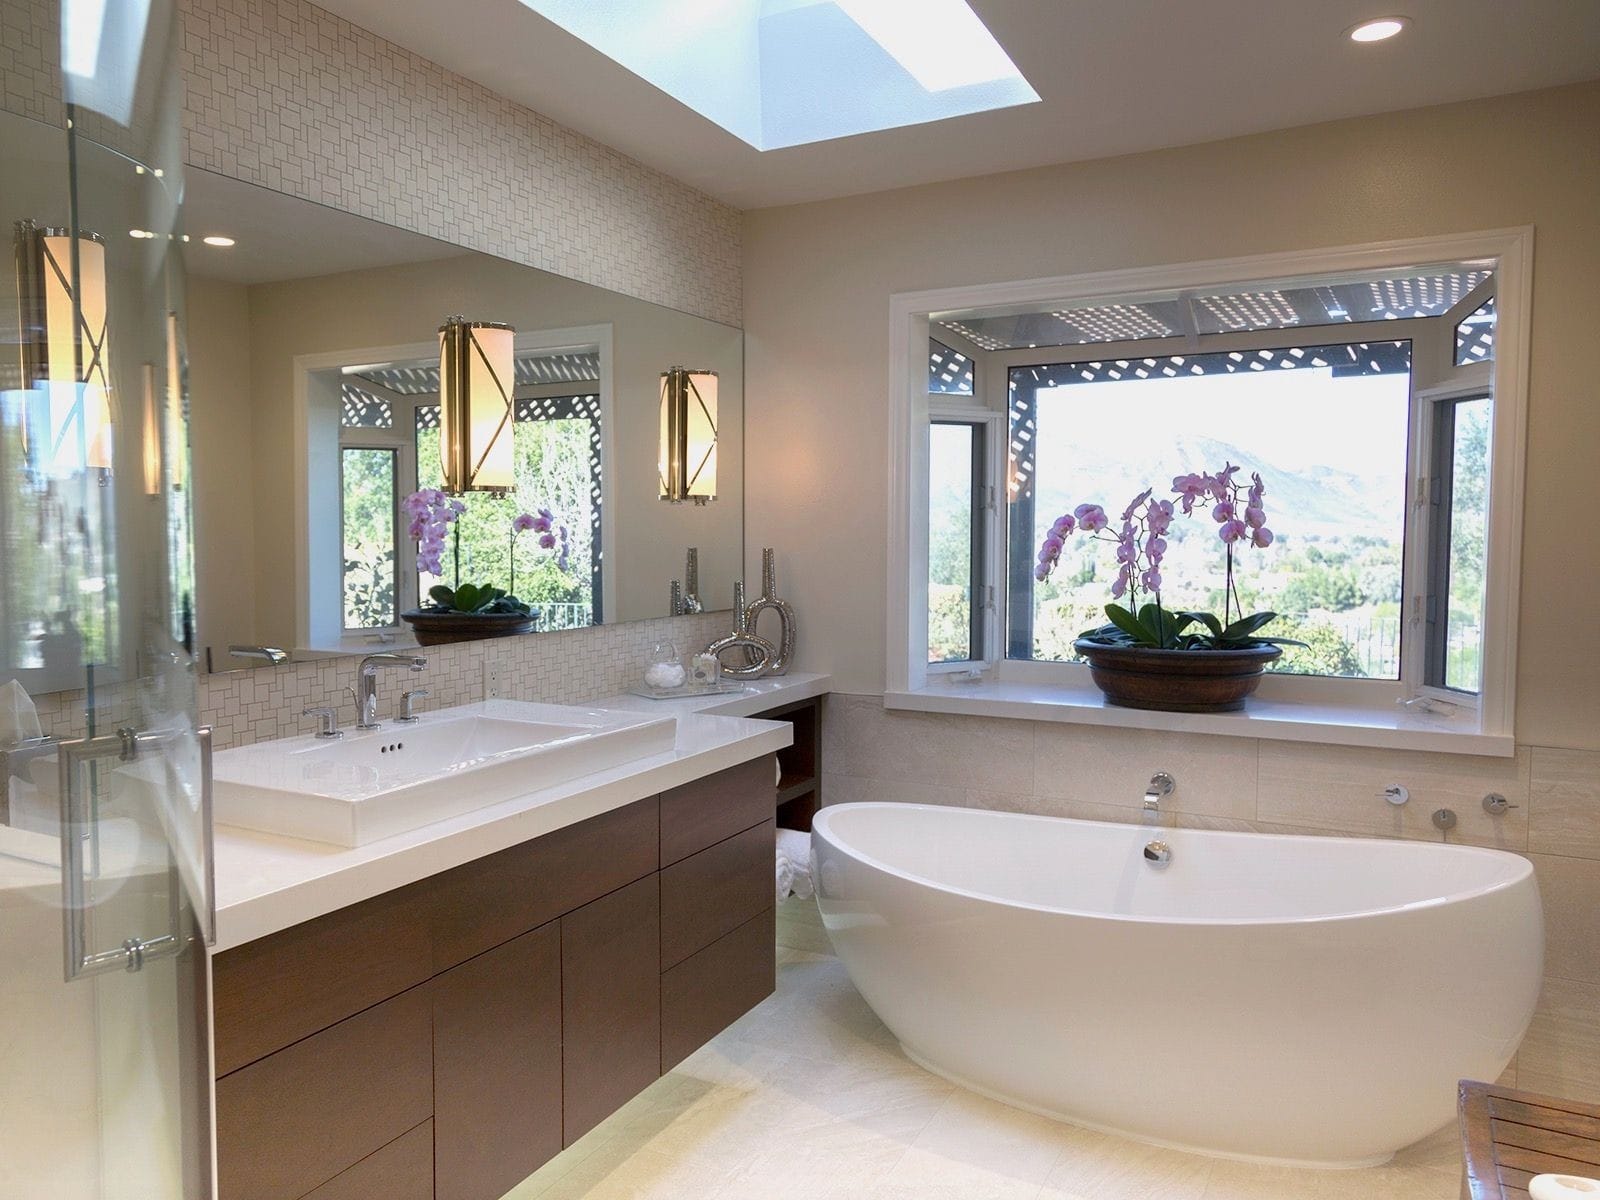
446,1038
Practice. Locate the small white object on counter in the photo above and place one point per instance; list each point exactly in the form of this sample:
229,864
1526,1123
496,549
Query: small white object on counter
1563,1187
665,676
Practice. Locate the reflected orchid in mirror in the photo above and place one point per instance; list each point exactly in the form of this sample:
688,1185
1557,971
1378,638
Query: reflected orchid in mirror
433,515
1240,515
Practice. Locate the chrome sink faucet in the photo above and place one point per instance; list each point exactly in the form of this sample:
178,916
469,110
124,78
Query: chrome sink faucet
367,683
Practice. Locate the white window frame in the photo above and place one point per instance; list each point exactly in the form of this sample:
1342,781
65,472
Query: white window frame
1354,712
974,408
320,438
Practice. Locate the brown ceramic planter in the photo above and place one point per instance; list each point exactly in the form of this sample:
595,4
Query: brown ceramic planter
443,628
1198,681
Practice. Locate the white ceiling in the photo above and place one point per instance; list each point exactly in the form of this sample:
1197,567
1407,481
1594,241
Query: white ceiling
1116,76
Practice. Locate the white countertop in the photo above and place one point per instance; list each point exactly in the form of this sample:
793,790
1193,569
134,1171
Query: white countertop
267,883
759,696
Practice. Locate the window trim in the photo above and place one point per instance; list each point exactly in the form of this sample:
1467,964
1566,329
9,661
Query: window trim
1510,250
986,526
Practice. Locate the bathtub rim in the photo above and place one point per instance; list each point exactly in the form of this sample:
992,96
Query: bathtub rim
821,825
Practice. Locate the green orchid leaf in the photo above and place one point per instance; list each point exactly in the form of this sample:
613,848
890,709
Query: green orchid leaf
1244,628
1209,620
1132,626
443,595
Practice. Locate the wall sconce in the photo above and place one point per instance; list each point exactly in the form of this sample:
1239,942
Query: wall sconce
477,373
688,435
64,334
150,435
177,426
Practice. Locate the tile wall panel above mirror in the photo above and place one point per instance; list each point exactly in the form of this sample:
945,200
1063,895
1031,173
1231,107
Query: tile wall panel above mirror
314,382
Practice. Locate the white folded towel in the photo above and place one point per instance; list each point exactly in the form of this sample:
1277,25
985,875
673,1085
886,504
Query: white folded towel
785,878
19,720
794,849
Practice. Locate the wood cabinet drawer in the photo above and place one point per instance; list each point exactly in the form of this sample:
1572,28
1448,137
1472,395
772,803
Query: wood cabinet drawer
402,1170
273,992
709,810
485,903
296,1119
707,992
715,891
610,1005
497,1067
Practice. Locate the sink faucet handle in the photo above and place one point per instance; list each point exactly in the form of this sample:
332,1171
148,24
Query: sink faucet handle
407,700
1161,786
327,721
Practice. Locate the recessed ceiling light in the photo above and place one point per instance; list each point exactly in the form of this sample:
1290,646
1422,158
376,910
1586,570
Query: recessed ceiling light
217,240
140,234
1380,29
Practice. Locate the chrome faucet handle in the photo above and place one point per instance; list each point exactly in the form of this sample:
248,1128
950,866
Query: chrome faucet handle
407,700
327,721
1161,786
1497,805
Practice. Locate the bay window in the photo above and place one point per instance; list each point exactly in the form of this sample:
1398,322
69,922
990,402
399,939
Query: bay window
1373,401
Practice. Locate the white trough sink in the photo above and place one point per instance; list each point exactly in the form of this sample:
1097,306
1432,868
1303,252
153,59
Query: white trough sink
373,784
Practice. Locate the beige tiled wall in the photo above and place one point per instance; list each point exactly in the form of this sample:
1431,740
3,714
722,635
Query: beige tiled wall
870,753
561,668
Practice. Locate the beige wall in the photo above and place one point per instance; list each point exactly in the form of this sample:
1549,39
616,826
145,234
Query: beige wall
818,279
250,533
220,430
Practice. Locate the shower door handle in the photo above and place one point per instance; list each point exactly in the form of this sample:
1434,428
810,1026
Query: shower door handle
126,746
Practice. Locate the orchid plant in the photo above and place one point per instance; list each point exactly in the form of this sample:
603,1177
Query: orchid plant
433,515
1240,515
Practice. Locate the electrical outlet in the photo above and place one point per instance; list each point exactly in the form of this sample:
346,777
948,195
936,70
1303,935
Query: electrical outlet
496,679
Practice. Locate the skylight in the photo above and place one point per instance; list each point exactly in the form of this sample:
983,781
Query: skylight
779,73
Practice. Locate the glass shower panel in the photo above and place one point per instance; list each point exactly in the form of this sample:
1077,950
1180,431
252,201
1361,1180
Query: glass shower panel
105,875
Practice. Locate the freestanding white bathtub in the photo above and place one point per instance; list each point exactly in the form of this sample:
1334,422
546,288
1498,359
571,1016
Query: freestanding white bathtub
1299,999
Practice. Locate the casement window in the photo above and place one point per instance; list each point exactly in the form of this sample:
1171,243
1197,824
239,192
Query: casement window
1368,399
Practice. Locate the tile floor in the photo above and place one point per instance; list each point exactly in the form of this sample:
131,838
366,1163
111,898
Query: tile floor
809,1097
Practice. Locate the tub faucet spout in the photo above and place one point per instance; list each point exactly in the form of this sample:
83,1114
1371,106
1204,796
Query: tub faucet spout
1160,787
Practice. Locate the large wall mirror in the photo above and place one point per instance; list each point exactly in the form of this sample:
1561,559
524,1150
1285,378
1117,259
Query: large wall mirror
319,412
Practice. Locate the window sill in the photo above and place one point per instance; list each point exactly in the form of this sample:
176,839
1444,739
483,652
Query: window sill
1389,727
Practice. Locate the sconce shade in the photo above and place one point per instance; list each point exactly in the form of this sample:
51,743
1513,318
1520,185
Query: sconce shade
177,426
688,435
477,374
150,435
64,342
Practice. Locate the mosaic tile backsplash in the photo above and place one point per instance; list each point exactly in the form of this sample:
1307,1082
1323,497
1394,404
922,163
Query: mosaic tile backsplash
284,94
565,667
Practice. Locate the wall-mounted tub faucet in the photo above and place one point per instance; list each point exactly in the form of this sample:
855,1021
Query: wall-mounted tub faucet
1160,787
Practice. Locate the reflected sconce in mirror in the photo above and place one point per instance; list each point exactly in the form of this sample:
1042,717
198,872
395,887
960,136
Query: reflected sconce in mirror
177,426
150,435
64,336
477,374
688,435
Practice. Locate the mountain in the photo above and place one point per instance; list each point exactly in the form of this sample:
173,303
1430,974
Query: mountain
1314,501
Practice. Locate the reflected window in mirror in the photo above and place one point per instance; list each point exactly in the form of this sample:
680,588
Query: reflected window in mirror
389,447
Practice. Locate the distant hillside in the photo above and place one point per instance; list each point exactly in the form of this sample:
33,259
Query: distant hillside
1311,502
